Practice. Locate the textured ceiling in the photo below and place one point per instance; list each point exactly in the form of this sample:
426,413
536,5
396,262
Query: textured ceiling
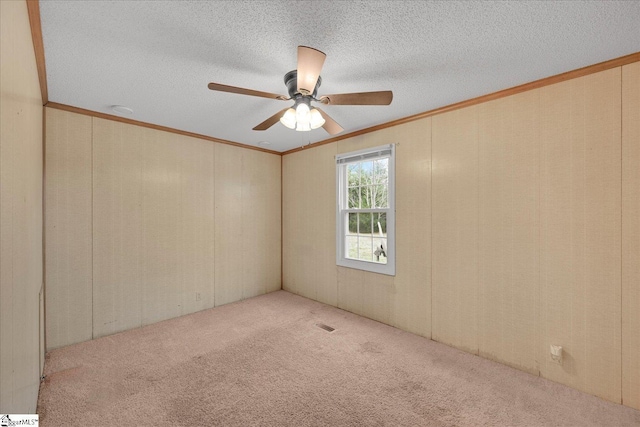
157,57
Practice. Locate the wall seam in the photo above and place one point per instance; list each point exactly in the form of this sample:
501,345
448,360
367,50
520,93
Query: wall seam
213,178
478,306
431,231
243,272
281,224
621,234
91,234
43,284
539,215
1,264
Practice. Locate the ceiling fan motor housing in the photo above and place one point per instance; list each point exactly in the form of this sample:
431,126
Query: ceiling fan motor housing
291,81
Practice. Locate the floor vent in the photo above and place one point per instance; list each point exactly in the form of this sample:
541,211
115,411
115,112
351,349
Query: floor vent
325,327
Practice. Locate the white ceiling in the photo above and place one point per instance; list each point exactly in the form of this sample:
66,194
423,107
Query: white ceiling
157,57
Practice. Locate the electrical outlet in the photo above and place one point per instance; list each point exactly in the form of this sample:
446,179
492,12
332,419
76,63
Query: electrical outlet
198,296
556,353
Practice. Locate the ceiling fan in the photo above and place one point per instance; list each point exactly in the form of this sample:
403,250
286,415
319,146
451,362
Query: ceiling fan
302,86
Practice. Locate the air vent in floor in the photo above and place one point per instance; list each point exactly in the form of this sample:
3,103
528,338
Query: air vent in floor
325,327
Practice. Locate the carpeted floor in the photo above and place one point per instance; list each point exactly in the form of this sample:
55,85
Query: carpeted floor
264,361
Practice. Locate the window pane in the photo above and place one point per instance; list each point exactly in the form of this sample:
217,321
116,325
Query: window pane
366,173
381,171
354,197
379,196
353,174
352,247
366,199
381,219
364,223
380,250
353,223
365,252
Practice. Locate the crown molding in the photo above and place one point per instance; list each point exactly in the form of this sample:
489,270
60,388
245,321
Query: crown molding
574,74
99,115
33,8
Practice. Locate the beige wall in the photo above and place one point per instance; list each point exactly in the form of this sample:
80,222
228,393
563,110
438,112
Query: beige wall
143,226
309,248
631,235
455,229
508,228
309,224
21,354
580,211
515,218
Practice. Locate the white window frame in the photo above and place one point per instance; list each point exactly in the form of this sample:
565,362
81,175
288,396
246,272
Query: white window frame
342,210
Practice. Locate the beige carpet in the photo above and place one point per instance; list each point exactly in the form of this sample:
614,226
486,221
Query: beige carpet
264,361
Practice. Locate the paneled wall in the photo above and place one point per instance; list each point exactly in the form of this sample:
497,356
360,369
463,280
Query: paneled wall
68,244
309,200
508,239
309,224
143,226
580,242
247,227
21,349
631,235
455,229
530,205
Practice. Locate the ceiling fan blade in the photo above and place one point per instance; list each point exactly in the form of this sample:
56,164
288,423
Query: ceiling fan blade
330,125
271,120
310,62
243,91
363,98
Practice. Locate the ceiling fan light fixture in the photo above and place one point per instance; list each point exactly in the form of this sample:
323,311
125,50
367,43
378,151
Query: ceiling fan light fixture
302,85
303,115
303,127
289,118
316,119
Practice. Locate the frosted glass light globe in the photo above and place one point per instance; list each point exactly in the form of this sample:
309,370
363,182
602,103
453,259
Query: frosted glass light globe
289,118
316,119
303,114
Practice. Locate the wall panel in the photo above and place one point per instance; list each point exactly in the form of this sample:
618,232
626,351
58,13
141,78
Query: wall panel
455,228
68,195
580,232
261,243
153,226
177,219
247,226
196,219
631,235
176,224
509,230
411,296
403,300
309,202
119,235
229,230
309,222
359,291
21,155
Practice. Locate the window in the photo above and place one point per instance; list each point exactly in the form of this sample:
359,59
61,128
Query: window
365,213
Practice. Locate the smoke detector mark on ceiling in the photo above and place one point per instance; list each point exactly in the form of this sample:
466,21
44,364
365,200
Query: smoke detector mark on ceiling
325,327
122,110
